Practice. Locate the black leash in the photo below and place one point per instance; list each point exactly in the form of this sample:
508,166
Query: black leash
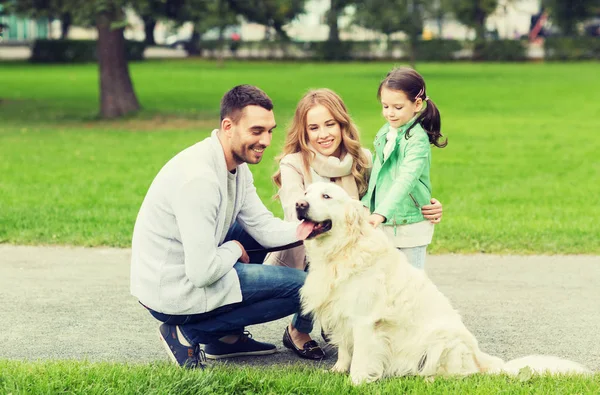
273,249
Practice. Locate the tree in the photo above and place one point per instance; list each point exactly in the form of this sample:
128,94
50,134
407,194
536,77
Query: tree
204,15
117,97
272,13
566,14
474,14
150,11
336,10
438,11
391,16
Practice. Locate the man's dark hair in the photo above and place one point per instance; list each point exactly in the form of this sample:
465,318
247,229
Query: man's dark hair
241,96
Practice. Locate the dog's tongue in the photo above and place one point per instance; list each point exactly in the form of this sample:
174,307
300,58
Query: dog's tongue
304,229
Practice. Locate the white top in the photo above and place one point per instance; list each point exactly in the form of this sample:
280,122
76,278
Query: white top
390,138
178,265
231,178
410,235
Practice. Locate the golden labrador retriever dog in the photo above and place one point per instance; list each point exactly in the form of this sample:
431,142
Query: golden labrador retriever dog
386,317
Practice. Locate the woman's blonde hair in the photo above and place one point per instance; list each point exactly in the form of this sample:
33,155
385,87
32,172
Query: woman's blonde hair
297,141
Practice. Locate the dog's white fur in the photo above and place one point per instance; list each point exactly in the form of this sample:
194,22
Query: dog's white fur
386,317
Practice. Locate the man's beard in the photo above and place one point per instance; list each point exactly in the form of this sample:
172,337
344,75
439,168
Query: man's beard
244,155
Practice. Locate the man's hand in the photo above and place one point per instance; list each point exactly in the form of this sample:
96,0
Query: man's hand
244,258
376,219
433,211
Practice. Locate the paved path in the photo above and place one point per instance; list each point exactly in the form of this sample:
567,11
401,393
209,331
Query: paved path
74,303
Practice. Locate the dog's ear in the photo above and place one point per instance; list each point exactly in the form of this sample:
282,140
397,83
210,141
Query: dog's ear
354,213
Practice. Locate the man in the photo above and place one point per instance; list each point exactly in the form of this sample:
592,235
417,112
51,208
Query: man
189,264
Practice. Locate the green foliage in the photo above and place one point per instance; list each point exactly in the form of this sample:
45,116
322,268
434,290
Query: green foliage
502,50
77,51
474,13
572,48
274,13
215,14
567,13
394,16
386,16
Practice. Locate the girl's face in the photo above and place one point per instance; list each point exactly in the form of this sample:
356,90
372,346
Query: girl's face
397,108
323,131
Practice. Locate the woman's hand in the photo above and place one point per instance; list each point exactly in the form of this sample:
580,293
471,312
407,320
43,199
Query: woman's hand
433,211
244,258
376,219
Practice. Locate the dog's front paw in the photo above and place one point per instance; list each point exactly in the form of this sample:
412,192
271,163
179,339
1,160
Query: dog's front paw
340,367
358,378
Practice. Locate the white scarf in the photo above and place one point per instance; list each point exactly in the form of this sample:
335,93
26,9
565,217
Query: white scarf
337,170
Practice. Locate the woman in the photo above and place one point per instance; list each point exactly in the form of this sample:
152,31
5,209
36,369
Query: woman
322,144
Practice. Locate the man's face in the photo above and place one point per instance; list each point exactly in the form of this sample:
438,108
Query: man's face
252,134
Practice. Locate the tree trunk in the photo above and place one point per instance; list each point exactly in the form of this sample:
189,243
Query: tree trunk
440,24
283,37
332,22
65,25
193,47
221,47
149,24
221,38
117,97
480,19
413,42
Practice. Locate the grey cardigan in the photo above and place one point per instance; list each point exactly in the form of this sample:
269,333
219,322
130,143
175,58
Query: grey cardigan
177,264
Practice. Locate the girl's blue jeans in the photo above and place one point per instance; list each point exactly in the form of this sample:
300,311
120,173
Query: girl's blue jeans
416,256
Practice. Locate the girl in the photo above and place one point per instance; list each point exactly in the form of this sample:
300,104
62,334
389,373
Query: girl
399,183
322,144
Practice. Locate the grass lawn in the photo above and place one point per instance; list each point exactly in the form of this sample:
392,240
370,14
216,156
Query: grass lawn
520,173
104,378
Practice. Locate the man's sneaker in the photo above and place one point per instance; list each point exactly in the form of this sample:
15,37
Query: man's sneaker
186,356
244,346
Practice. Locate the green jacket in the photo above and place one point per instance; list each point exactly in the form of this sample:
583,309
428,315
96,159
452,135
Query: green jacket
400,185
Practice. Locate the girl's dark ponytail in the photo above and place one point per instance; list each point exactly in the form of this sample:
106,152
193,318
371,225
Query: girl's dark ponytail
431,122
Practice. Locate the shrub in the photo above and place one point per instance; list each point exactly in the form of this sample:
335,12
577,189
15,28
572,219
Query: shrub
500,50
571,48
438,49
77,51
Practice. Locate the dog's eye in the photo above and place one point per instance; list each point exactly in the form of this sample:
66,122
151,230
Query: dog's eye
326,196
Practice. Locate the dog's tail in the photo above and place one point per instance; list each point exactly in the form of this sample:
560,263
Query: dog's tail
488,363
543,364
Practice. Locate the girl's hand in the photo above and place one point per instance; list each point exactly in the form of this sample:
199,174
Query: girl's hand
376,219
433,211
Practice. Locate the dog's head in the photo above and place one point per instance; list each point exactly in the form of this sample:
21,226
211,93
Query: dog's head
327,209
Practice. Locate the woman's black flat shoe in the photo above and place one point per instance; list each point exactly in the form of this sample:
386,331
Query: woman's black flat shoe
310,350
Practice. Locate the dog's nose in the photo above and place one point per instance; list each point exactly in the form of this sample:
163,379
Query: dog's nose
301,208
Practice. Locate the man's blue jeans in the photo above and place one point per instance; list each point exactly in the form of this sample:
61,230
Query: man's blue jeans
268,293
